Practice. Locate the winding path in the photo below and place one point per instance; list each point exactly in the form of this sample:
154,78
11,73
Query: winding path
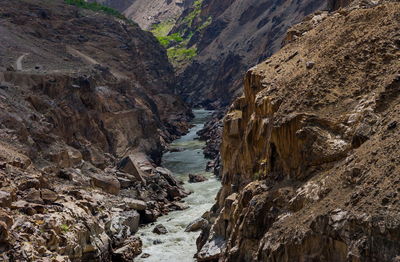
19,61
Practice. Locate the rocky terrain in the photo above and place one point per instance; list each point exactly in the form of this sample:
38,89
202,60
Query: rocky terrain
310,151
87,105
147,13
241,34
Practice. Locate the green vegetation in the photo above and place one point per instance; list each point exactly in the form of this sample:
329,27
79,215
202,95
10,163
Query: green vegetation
180,54
64,228
96,7
195,13
166,41
163,29
177,44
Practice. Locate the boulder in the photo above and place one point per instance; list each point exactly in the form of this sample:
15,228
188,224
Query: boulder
106,182
48,196
128,252
196,178
167,174
160,229
136,204
33,196
179,206
122,225
125,182
196,225
3,232
28,208
150,216
6,218
5,199
130,166
173,192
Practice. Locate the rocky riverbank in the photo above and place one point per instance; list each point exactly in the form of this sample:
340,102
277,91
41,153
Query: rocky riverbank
309,152
87,107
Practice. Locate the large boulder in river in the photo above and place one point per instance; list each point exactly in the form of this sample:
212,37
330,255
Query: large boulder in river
160,229
196,178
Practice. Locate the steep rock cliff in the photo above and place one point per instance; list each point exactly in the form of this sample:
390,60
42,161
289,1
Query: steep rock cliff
147,13
241,34
309,152
87,102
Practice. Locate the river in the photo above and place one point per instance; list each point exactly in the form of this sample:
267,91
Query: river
177,245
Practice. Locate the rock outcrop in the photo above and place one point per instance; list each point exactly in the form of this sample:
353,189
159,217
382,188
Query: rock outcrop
310,151
148,13
87,104
240,35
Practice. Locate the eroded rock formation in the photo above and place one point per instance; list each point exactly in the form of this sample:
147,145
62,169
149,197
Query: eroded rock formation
240,35
87,105
310,151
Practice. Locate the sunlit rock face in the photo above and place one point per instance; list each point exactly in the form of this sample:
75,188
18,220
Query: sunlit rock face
79,92
308,152
147,13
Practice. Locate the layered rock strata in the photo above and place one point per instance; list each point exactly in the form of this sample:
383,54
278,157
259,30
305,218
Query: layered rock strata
87,105
309,152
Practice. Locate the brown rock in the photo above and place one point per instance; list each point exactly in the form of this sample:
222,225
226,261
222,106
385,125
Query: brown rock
3,232
179,206
150,216
5,199
48,196
128,252
108,183
129,165
34,196
6,218
134,204
196,225
160,230
196,178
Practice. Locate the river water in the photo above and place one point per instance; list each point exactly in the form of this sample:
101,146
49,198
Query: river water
177,245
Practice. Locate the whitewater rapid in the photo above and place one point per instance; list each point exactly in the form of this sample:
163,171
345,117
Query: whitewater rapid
178,245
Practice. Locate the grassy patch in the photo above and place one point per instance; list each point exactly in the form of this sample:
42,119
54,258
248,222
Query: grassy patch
96,7
64,228
162,29
180,54
166,41
179,51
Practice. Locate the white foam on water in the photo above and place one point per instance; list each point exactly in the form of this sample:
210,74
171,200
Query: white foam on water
178,245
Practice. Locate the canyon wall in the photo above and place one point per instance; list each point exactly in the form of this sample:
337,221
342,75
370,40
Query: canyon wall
147,13
240,35
310,151
87,105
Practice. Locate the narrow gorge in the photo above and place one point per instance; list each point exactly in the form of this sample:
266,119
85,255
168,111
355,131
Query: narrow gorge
200,130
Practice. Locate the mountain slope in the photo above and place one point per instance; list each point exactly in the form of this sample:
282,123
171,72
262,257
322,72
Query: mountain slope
241,34
309,152
87,105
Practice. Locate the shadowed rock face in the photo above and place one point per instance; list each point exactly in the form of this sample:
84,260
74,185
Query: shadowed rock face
79,91
242,33
308,152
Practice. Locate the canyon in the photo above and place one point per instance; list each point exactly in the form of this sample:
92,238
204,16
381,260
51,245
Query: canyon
87,109
128,133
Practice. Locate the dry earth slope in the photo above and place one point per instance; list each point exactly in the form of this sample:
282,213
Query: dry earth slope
86,106
310,152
